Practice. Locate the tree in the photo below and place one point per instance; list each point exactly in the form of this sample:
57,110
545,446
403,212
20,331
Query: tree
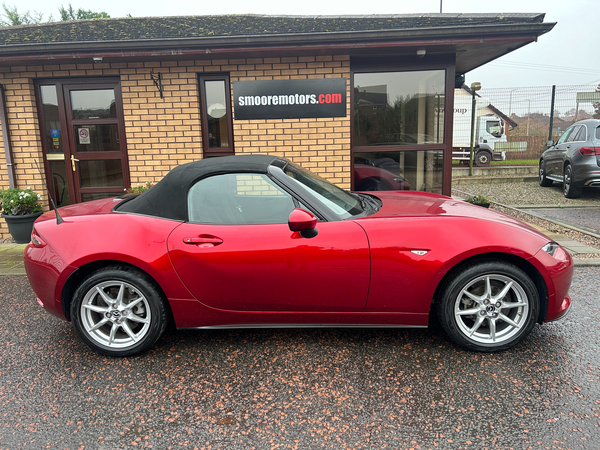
80,14
12,17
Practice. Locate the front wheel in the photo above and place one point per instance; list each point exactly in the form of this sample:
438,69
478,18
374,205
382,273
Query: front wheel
543,181
488,306
483,158
118,312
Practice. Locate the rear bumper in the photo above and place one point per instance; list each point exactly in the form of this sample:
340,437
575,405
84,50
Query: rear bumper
44,270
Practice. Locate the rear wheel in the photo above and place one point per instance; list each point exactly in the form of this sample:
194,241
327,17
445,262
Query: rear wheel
544,182
569,189
118,312
488,306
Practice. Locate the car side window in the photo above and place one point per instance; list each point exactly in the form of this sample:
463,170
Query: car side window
237,199
581,135
564,136
574,135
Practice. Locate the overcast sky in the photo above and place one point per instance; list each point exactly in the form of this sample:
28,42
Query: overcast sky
567,55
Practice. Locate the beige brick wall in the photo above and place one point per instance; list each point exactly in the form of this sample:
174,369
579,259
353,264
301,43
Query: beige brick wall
163,133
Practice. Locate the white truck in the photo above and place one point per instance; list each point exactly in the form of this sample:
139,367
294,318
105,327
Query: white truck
489,130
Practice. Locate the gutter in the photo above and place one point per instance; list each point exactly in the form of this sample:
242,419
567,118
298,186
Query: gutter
411,36
6,137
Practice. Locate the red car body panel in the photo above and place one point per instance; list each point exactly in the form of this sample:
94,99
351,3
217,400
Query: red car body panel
254,266
378,270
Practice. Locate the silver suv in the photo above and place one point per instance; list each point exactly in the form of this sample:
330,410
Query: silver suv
574,160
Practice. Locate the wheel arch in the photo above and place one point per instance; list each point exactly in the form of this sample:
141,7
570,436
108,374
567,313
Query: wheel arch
77,277
524,265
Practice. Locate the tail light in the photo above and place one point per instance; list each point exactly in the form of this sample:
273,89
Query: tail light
36,240
585,151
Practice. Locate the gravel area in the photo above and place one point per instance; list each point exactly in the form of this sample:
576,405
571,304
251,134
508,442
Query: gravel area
506,196
524,193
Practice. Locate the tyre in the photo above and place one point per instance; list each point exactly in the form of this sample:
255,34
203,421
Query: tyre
544,182
569,189
488,306
118,312
483,158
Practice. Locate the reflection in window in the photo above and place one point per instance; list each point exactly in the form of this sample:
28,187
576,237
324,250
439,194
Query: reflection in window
396,171
216,112
236,199
494,128
97,138
399,108
51,119
101,173
93,104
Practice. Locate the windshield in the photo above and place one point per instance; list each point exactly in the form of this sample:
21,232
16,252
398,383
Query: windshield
338,200
494,128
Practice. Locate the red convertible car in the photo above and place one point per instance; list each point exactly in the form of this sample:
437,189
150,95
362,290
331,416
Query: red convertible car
255,241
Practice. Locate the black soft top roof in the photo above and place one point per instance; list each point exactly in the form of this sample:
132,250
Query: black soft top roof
168,198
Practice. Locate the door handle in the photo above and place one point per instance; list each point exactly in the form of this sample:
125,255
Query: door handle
203,241
73,159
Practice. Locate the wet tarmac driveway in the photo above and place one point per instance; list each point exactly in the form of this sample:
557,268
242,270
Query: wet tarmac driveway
300,389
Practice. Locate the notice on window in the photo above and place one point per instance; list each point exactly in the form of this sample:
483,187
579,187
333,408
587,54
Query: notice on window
84,135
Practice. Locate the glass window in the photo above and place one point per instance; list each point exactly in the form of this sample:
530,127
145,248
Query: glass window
574,134
396,171
399,108
217,127
93,104
337,200
51,119
216,114
239,199
581,135
97,138
101,173
564,136
494,128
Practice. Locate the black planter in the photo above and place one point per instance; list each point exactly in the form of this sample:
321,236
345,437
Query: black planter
20,226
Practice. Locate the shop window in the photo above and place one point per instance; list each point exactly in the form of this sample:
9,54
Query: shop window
399,108
419,170
217,129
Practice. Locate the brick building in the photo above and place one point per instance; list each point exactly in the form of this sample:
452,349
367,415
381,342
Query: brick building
106,104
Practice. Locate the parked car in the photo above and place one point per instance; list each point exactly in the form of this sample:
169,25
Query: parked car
256,241
574,160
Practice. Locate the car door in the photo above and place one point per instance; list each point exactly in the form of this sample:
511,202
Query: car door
555,155
238,253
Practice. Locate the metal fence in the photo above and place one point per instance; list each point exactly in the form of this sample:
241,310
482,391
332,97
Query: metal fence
530,112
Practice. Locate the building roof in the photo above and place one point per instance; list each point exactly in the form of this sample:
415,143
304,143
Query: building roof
173,36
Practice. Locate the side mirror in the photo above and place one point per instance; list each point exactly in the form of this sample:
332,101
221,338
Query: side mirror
549,143
303,222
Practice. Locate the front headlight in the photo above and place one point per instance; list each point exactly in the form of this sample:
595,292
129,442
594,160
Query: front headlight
551,248
556,251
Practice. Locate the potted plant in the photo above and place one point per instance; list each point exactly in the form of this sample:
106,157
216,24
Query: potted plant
140,188
20,208
480,200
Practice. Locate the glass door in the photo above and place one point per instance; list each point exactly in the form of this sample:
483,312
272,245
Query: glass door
86,155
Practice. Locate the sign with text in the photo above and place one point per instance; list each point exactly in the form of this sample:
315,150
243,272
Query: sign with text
289,99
